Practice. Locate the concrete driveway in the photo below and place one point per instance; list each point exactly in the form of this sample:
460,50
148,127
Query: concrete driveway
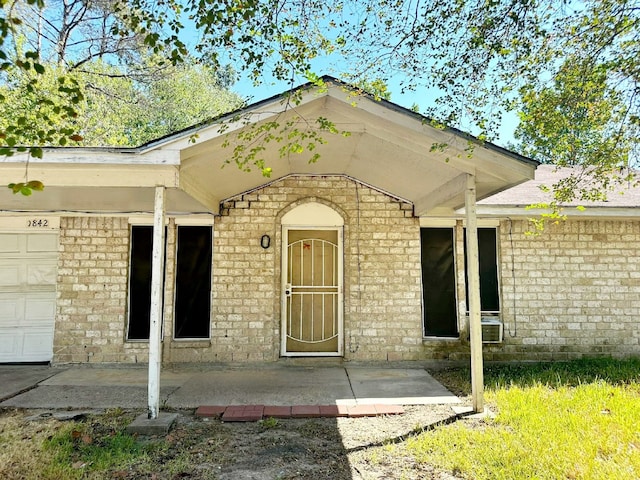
189,387
15,379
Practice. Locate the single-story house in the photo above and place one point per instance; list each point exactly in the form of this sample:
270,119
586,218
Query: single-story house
360,255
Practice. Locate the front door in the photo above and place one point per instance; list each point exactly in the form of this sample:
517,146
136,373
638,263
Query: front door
312,292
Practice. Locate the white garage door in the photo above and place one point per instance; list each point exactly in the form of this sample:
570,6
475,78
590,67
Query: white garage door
27,296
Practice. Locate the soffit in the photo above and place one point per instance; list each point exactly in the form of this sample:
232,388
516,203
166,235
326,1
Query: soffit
387,148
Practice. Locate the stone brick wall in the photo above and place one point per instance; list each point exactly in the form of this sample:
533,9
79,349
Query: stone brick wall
92,291
91,312
572,291
382,314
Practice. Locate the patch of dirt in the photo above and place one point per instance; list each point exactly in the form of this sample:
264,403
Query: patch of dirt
319,449
283,449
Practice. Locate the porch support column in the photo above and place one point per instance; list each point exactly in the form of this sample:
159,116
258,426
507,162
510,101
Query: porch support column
473,271
157,295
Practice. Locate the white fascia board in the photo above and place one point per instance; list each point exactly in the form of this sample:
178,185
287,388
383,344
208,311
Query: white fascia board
411,133
571,212
503,167
403,130
232,122
92,175
495,163
23,222
146,219
437,222
207,132
93,156
202,220
191,219
442,222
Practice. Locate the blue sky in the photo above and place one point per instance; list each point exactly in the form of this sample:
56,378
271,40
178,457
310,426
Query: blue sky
421,97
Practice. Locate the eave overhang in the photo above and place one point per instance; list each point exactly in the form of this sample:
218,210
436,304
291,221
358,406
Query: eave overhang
387,147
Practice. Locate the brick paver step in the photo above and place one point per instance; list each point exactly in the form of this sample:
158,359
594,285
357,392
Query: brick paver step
277,411
253,413
243,413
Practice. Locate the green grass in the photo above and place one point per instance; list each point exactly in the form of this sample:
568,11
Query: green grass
48,449
98,447
75,452
84,450
569,420
552,374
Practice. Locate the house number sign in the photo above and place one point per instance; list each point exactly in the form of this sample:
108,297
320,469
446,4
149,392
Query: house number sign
29,224
38,223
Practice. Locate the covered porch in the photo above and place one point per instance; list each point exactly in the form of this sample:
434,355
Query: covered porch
389,149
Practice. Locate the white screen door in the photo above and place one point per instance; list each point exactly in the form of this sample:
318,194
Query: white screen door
312,292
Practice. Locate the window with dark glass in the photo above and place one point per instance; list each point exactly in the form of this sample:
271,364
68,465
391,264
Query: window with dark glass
141,250
488,260
439,278
439,282
193,283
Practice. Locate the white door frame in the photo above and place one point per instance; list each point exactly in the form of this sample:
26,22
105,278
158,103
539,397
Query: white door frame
311,216
283,296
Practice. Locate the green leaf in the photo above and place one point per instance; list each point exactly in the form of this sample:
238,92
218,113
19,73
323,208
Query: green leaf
35,185
16,187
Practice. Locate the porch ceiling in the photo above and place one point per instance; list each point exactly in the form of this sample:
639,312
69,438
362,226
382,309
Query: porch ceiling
389,148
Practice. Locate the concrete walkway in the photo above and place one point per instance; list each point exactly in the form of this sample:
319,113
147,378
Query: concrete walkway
189,387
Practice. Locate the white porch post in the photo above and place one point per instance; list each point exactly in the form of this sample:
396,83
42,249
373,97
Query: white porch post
157,295
473,270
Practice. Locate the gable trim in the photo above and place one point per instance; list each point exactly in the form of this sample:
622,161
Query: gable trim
316,175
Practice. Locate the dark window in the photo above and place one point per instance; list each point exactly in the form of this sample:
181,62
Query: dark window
488,259
140,282
439,282
193,283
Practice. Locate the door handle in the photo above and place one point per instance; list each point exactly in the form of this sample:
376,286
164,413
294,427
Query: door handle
287,290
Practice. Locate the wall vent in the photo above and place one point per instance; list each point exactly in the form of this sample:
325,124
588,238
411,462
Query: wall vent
491,330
